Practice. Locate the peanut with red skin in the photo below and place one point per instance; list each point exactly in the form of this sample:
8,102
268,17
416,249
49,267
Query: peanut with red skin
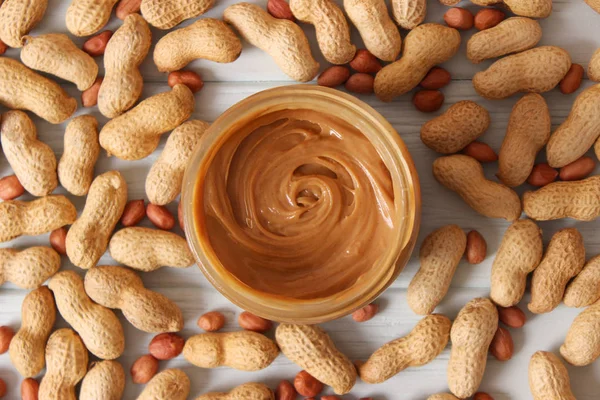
366,313
58,239
306,385
211,321
6,335
126,7
476,248
512,316
166,346
488,18
134,212
364,61
280,9
480,151
89,97
572,80
160,216
251,322
542,174
10,188
285,391
29,389
578,169
502,346
188,78
435,79
459,18
333,76
428,100
360,83
96,45
144,369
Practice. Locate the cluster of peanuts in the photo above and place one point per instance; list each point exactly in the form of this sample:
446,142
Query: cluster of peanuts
134,132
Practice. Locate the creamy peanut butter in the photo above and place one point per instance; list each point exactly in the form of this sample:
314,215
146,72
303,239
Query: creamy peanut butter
298,203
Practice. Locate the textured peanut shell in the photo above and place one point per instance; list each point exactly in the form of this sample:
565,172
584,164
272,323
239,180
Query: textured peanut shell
165,14
86,17
440,254
66,365
121,288
512,35
312,349
564,259
81,151
32,160
458,126
584,290
165,178
579,200
170,384
595,5
123,83
18,17
519,254
424,47
576,135
56,54
35,217
88,237
378,31
243,350
409,13
29,268
24,89
528,132
283,40
333,31
536,70
471,335
136,134
582,344
464,175
421,346
99,327
593,70
548,378
442,396
247,391
146,249
208,38
532,9
28,347
104,381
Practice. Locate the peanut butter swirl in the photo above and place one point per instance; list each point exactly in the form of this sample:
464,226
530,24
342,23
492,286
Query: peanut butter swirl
298,203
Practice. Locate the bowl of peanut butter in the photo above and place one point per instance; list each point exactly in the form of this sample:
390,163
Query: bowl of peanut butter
301,204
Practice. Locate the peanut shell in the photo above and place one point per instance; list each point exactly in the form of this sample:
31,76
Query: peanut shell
170,384
18,17
165,14
548,378
28,268
582,344
104,381
584,290
247,391
86,17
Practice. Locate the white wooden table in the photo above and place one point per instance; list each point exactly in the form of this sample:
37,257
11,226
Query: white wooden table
573,25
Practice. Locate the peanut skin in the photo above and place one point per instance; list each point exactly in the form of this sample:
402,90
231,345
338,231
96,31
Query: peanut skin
164,180
378,31
104,381
527,133
88,237
119,287
471,335
564,259
440,254
125,51
86,17
66,365
548,378
33,92
574,137
33,161
136,134
281,39
519,254
243,350
27,347
575,199
423,344
464,175
170,384
208,38
313,350
36,217
81,150
165,14
533,71
29,268
584,290
333,31
512,35
146,249
458,126
18,17
99,327
582,344
247,391
56,54
424,47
